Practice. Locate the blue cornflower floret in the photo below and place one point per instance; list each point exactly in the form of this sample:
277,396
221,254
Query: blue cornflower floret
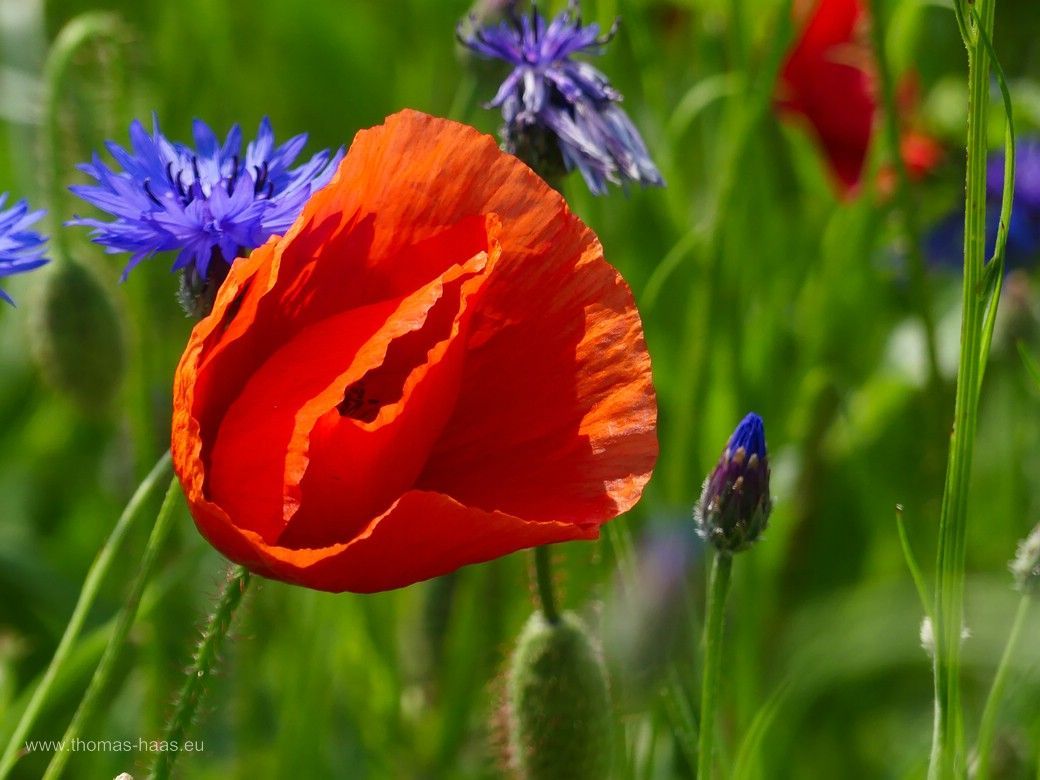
557,109
945,244
211,204
21,249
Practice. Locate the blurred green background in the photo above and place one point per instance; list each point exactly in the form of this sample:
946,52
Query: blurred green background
785,300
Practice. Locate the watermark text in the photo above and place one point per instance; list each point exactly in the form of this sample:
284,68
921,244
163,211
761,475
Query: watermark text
139,745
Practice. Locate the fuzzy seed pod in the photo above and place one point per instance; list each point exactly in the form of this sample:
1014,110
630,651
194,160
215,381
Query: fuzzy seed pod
559,703
76,335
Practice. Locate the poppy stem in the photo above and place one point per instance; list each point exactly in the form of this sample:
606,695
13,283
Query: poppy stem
544,578
106,557
89,29
197,677
100,683
713,625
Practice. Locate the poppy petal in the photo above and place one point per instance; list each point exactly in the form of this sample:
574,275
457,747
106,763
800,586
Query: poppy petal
553,312
434,367
261,446
418,548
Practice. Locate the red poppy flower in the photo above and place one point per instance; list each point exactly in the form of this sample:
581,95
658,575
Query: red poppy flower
827,79
434,367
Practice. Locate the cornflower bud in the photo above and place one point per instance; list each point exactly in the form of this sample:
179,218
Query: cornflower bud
734,506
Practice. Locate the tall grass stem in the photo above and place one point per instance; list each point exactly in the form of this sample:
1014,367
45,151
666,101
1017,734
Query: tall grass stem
103,675
99,570
947,753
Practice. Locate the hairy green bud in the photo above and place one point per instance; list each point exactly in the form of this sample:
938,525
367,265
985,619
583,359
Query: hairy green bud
76,335
560,720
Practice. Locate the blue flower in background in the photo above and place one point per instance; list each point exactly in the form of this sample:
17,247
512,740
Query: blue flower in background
211,204
21,249
560,113
945,244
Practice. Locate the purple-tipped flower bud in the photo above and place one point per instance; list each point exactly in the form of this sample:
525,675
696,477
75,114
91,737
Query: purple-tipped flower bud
1026,565
734,506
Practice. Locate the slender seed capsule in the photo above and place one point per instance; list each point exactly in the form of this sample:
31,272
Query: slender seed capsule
559,704
734,506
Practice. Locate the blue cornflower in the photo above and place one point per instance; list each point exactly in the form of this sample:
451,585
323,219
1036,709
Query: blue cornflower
21,249
211,204
561,112
735,503
945,243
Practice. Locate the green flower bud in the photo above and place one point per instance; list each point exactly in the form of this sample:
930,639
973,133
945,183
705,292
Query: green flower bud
559,704
1026,565
76,336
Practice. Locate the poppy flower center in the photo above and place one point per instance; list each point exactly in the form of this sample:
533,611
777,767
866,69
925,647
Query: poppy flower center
364,453
357,404
358,399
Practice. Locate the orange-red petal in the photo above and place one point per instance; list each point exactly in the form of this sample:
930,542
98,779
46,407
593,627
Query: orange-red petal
517,407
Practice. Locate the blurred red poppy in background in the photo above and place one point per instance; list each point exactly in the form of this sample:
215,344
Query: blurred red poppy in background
827,79
434,367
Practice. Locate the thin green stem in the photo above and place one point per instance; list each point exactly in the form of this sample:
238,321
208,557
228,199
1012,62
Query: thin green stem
714,621
197,678
922,294
988,725
74,36
102,679
544,579
947,754
911,564
87,596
